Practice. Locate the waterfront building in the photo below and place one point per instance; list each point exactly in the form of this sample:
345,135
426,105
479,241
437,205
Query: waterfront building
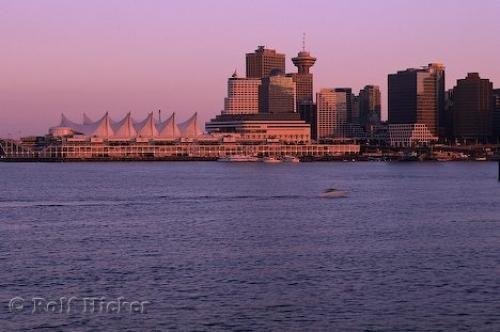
369,106
326,114
379,134
349,131
278,94
262,127
473,108
262,62
273,134
105,129
416,96
410,135
65,149
242,95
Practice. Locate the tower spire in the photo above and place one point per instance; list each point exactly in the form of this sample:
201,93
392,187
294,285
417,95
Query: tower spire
303,61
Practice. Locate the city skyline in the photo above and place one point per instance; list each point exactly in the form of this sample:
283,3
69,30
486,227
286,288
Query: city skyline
148,58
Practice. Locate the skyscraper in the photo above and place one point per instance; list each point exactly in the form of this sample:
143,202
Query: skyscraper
242,95
326,114
496,115
303,78
355,109
438,70
473,108
261,106
415,96
277,94
347,108
264,61
344,105
369,106
447,127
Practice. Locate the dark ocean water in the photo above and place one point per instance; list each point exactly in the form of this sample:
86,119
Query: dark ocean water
243,247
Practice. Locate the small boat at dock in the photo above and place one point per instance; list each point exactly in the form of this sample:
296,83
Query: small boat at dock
290,159
271,160
238,158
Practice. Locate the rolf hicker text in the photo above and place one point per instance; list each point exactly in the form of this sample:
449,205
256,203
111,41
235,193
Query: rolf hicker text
74,304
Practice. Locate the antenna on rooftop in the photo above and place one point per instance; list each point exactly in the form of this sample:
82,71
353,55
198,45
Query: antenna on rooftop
303,42
159,116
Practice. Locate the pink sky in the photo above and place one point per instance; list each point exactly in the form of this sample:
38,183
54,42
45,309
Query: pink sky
139,56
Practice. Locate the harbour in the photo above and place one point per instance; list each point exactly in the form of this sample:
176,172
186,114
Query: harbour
408,241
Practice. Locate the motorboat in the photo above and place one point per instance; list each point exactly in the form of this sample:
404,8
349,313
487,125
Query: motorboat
239,158
333,193
271,160
290,159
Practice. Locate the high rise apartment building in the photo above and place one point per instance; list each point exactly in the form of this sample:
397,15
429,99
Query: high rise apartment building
326,114
242,95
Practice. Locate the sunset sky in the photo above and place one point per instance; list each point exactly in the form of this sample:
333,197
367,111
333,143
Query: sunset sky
118,56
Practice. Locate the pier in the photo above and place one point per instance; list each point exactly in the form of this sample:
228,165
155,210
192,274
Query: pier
109,151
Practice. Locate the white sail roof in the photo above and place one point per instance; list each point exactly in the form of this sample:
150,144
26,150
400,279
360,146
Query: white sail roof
87,120
66,122
124,129
128,129
190,128
168,129
101,128
147,128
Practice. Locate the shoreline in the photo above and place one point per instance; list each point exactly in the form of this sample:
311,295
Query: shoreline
207,159
13,151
